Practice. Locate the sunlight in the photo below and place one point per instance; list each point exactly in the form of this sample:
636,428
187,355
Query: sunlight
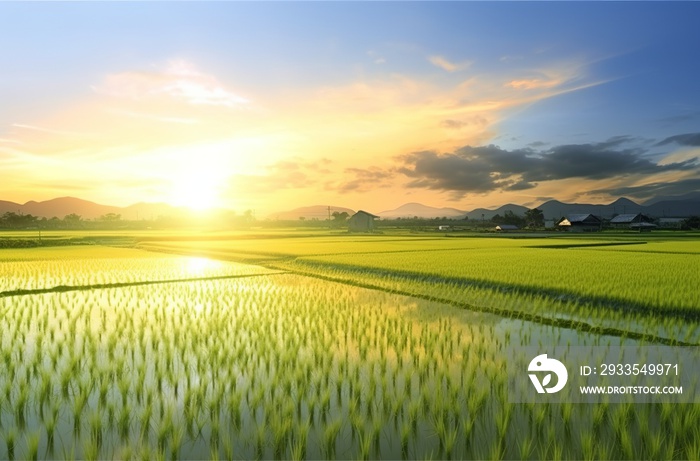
198,191
198,266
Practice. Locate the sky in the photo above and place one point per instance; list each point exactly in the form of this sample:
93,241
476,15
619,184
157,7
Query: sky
271,106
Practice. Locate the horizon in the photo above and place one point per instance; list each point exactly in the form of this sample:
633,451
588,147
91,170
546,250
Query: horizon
362,105
211,212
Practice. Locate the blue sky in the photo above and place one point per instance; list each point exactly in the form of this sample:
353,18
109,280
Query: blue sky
269,105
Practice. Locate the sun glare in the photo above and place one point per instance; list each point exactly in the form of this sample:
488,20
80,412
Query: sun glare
198,190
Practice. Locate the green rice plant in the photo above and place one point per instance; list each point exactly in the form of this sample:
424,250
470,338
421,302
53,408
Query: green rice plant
96,428
176,442
91,450
145,420
33,446
10,440
20,406
260,437
124,422
330,434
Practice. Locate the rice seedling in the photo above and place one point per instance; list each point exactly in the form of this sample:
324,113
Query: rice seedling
265,353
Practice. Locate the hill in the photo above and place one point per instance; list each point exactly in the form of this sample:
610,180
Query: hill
410,210
62,206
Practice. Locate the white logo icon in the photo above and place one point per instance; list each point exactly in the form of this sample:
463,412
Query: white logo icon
542,363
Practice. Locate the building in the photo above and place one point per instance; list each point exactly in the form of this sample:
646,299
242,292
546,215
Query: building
581,223
361,222
443,228
506,228
626,221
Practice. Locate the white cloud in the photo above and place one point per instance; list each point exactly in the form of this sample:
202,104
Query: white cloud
444,64
178,80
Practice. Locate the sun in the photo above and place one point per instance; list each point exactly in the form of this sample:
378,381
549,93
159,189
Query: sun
198,190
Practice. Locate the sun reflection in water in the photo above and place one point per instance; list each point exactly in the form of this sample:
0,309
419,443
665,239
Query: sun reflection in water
199,267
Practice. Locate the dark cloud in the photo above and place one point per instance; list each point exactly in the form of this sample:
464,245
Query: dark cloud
488,168
687,117
688,139
654,189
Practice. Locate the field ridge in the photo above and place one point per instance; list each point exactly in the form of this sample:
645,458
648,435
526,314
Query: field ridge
99,286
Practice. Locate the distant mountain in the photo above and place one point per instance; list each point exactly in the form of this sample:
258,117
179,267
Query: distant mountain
483,213
690,196
319,212
555,209
674,208
409,210
60,207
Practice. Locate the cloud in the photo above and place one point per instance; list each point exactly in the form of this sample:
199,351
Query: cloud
178,80
364,180
292,173
444,64
654,189
687,139
490,168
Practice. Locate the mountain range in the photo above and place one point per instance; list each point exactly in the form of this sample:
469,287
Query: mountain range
666,206
682,206
62,206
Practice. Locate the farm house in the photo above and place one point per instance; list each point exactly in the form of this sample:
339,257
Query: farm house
581,223
506,228
625,221
361,222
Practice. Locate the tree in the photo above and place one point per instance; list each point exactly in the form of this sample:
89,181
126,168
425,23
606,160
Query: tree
111,217
534,218
511,218
692,223
17,221
340,218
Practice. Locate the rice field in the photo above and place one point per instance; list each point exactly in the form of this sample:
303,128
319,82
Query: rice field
218,359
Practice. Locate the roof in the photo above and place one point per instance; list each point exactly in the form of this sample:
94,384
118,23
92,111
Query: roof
365,213
581,218
624,218
507,227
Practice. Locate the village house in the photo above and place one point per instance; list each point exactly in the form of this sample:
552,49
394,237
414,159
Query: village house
633,221
361,222
581,223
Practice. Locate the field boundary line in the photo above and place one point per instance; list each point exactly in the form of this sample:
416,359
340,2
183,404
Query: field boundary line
578,325
606,302
100,286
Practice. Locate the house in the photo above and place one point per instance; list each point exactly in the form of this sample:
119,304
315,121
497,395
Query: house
443,228
626,221
506,228
581,223
361,222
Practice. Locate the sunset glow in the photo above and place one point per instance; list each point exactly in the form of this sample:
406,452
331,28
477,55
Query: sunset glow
299,104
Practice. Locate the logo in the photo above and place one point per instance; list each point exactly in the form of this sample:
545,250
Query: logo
542,363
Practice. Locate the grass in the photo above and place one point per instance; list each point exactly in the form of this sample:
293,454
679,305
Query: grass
275,365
